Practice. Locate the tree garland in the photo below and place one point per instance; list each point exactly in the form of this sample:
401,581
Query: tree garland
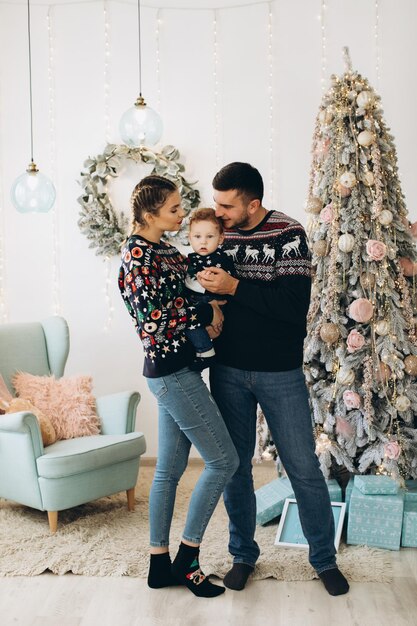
98,221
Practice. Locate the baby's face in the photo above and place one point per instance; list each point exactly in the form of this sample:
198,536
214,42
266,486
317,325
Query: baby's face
205,237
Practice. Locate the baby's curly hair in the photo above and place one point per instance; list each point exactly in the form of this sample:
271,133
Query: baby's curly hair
206,215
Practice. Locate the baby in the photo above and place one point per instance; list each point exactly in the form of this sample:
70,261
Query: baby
205,236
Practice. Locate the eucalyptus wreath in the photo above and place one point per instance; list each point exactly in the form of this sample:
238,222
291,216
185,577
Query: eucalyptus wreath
98,220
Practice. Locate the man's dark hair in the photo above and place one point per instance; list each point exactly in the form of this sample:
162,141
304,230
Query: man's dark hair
240,176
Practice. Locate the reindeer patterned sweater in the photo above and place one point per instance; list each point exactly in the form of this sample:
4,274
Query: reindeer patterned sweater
265,321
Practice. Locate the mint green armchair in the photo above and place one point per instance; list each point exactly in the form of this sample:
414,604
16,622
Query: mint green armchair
73,471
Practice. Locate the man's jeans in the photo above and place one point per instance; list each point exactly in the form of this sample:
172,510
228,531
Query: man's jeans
188,415
283,399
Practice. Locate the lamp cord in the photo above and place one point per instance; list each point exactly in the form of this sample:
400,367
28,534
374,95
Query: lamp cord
140,53
30,87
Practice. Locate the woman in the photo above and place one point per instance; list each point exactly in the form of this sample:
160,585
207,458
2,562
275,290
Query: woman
151,281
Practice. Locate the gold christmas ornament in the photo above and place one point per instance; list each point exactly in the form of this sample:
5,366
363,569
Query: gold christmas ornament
385,217
314,205
382,328
410,365
326,116
367,280
402,403
329,332
364,99
365,138
345,376
348,179
368,179
320,247
346,242
342,190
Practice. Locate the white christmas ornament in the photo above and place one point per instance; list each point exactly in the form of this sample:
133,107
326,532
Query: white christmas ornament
385,217
364,99
348,179
345,376
326,116
346,242
382,327
365,138
402,403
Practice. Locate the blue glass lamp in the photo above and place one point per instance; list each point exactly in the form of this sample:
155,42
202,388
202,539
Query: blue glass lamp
140,125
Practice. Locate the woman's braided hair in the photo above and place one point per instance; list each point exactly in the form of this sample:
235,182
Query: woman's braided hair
148,196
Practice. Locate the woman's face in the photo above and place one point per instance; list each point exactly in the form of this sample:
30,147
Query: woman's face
170,214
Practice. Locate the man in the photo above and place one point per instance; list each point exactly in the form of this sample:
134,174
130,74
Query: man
259,360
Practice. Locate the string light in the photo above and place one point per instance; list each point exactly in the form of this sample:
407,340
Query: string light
158,60
271,104
107,132
377,47
56,287
323,44
216,90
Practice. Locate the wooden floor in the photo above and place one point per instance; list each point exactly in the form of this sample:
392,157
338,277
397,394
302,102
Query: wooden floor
69,600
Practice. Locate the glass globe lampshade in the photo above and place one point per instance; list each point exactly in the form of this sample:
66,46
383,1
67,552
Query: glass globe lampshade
33,192
140,125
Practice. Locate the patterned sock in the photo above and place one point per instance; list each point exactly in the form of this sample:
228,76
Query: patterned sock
160,574
186,569
334,581
237,577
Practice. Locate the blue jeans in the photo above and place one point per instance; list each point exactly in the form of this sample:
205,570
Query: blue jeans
188,415
283,399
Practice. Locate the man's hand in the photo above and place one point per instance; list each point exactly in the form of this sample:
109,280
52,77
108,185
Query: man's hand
217,280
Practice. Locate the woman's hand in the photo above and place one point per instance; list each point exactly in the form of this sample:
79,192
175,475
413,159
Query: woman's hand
218,317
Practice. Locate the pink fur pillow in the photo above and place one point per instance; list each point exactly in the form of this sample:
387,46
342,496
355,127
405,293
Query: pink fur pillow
68,402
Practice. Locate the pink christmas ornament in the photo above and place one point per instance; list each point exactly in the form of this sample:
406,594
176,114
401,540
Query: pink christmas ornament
351,399
376,249
343,191
322,148
392,450
361,310
354,341
326,214
409,268
343,428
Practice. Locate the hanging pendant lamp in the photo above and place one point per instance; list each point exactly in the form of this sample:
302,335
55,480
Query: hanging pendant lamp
140,125
32,192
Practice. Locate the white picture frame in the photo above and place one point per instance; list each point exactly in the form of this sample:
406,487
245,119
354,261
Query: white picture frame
290,534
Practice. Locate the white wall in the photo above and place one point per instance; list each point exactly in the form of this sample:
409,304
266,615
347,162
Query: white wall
187,87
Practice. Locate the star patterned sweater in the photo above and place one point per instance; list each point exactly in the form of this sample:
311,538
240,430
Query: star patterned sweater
265,321
151,282
197,263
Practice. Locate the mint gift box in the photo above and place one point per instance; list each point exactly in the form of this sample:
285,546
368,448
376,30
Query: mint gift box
348,493
270,499
409,534
411,491
375,520
376,485
335,491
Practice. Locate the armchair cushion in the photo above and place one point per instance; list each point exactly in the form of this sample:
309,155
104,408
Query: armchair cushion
68,402
45,424
85,454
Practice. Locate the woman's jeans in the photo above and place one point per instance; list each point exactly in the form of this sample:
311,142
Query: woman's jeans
283,399
188,415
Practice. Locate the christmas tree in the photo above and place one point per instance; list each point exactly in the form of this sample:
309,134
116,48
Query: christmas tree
361,346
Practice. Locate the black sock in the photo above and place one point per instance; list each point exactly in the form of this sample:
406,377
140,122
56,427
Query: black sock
334,581
160,574
237,577
186,569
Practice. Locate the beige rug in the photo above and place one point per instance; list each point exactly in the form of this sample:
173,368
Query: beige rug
104,539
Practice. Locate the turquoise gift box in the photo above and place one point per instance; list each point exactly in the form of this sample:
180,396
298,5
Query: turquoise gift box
270,499
375,520
335,490
376,485
348,493
409,534
411,491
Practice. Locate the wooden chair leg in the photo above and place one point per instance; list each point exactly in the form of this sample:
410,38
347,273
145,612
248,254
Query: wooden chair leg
131,499
53,521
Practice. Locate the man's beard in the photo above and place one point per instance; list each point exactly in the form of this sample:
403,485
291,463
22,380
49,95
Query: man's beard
242,222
